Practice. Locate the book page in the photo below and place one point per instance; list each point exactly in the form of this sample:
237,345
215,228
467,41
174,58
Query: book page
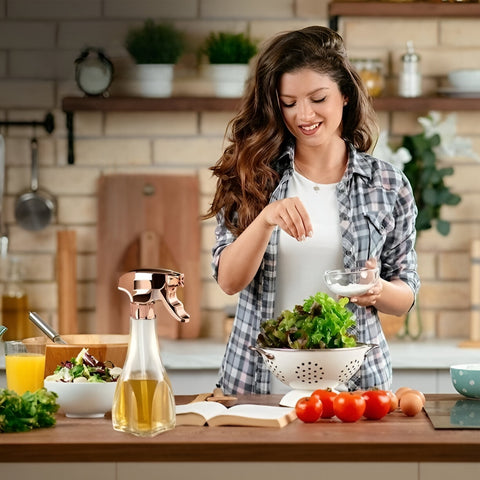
206,409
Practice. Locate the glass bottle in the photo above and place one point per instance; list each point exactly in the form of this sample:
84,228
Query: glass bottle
15,302
143,403
410,79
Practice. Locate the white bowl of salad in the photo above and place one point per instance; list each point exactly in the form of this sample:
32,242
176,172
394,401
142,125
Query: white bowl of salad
85,386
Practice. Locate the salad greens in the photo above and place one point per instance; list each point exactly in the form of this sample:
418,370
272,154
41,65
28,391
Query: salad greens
321,322
21,413
85,368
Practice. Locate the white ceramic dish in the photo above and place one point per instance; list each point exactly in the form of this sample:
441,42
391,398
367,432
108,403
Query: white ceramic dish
465,79
83,400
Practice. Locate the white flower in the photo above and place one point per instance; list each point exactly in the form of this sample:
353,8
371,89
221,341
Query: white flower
383,151
450,144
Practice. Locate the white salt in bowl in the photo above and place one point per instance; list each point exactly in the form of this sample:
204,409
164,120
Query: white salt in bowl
351,282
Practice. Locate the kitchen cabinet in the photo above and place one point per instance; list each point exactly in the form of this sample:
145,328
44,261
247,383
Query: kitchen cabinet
400,446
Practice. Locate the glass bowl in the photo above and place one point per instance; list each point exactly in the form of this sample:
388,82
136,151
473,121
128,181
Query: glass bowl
351,282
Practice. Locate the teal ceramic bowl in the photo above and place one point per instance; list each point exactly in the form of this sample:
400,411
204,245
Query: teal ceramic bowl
466,379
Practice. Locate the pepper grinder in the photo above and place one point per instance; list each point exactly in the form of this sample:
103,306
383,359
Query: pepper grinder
410,80
143,403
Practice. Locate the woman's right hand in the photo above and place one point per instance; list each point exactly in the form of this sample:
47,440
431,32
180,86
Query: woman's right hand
291,216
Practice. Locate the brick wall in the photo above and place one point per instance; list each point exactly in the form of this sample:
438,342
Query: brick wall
38,44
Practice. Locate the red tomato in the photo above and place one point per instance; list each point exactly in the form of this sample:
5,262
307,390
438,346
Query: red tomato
309,409
377,404
349,406
326,396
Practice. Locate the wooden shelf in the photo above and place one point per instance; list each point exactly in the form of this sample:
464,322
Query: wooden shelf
401,9
199,104
144,104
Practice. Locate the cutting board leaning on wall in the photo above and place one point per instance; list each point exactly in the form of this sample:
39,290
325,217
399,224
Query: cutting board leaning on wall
147,221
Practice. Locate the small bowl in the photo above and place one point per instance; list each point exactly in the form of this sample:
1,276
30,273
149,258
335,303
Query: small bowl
465,79
83,400
103,347
351,282
466,379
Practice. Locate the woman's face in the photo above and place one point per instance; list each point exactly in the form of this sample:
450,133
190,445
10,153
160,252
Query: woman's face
312,106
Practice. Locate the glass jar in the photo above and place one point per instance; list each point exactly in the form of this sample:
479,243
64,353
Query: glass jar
371,73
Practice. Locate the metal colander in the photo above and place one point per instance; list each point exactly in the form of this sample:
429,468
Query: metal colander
313,369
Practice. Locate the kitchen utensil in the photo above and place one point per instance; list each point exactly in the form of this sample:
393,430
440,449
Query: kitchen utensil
147,221
34,208
66,269
3,228
45,328
2,330
306,370
351,282
218,396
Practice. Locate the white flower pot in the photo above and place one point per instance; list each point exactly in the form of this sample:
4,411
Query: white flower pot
228,79
153,80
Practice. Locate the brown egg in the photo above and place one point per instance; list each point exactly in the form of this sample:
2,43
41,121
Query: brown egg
420,394
401,391
393,401
411,404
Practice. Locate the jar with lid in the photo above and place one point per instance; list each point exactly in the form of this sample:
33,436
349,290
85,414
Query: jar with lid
410,79
371,73
15,302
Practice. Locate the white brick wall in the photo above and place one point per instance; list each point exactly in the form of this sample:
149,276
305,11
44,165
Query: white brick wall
38,44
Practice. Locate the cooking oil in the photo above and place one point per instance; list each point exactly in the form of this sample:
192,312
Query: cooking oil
143,407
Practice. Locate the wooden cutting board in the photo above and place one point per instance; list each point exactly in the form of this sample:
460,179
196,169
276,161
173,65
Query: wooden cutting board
147,221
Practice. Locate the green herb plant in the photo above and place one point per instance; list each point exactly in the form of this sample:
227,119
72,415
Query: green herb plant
21,413
428,182
226,48
321,322
155,43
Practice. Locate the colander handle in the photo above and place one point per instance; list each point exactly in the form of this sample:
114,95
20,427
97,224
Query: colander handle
261,352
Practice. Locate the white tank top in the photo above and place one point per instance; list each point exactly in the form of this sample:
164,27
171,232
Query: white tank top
301,265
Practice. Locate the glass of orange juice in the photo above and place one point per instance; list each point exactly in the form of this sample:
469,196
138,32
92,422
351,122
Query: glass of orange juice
24,366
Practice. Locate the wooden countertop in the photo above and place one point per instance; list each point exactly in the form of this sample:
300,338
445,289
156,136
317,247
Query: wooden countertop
395,438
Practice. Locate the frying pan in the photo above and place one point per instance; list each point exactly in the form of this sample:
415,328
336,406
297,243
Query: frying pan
34,208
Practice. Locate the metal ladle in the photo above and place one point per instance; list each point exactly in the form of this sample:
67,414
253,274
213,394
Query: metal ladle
46,329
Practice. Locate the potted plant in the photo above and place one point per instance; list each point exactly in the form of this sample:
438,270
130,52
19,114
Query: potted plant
228,55
155,49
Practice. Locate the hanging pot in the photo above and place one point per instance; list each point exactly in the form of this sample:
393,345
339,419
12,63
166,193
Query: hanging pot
34,208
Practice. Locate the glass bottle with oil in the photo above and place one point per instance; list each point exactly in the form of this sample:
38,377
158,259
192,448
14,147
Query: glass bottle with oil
15,302
144,404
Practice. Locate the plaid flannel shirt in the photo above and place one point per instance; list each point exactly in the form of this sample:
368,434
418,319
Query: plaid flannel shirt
377,215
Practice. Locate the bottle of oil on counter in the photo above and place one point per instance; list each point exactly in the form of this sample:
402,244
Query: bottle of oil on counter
15,302
144,404
410,79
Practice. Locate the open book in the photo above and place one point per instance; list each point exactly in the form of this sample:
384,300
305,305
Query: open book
214,414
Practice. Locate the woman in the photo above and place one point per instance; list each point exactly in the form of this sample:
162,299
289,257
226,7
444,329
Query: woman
297,195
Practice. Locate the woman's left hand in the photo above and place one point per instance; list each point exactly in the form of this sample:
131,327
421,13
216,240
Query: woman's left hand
369,298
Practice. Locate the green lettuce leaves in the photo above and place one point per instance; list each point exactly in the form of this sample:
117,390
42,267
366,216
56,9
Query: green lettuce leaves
321,322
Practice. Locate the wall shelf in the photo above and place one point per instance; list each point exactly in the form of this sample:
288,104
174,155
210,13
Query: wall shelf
401,9
215,104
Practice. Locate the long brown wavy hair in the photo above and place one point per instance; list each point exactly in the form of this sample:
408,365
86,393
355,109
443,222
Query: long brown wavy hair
257,135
